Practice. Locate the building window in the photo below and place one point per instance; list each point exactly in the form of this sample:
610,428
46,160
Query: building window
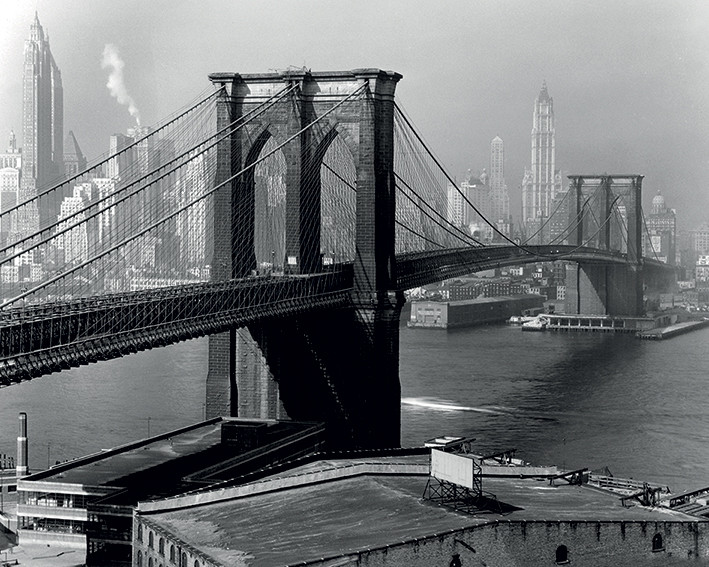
562,555
150,562
196,564
140,533
172,553
140,558
150,540
161,546
657,543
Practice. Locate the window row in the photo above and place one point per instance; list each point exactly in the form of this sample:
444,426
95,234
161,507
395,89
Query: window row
52,499
153,563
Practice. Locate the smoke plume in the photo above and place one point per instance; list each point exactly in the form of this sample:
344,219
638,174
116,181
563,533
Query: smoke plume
112,60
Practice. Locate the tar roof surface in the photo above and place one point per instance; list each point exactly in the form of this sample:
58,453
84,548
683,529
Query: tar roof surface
348,515
105,471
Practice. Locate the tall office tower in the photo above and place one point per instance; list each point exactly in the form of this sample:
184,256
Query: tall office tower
42,128
134,161
499,197
541,182
192,222
456,206
117,166
9,187
75,242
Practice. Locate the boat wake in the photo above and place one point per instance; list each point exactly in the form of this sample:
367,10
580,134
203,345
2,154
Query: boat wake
442,405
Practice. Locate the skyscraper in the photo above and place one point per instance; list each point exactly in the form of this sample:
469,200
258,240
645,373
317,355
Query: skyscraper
42,125
499,197
660,239
541,182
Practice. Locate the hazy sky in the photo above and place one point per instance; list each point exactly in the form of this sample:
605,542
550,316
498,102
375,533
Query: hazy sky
629,78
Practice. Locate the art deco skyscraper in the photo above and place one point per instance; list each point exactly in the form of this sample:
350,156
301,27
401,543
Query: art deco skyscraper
42,123
541,181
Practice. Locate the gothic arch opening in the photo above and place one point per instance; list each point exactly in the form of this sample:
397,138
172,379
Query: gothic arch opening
338,201
268,179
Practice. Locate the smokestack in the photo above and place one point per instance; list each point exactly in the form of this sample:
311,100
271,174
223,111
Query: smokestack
21,468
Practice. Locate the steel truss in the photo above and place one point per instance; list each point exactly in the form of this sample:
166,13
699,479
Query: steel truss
470,500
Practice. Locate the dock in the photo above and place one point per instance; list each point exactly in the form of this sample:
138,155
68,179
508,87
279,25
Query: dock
672,330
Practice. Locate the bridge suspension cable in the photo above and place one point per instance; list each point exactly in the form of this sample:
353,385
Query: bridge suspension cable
421,152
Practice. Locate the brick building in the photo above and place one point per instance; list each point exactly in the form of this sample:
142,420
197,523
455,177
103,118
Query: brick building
369,511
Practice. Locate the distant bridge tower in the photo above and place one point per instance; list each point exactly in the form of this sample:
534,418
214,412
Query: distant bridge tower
340,366
610,220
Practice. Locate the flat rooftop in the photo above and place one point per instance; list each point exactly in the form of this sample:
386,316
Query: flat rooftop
107,467
307,521
182,460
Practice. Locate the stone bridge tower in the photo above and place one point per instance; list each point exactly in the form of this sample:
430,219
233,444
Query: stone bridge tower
339,366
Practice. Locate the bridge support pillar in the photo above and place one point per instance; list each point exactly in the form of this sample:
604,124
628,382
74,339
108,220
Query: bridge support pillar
221,396
340,367
593,289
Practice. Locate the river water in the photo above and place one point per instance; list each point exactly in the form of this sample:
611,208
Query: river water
576,400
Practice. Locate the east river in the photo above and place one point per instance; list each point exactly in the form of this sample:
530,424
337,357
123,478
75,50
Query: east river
576,400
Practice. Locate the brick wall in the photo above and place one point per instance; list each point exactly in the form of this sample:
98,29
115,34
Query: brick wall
535,544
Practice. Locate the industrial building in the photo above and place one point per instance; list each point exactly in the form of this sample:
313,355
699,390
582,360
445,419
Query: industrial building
481,311
88,503
381,511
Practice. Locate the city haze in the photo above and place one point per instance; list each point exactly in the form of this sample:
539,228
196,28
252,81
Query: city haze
630,80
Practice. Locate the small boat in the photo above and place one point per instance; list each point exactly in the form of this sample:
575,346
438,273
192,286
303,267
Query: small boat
519,319
538,323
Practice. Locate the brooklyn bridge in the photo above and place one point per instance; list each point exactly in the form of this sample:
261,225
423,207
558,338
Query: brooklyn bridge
299,206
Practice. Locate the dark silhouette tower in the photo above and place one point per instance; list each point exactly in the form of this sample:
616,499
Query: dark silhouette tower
42,128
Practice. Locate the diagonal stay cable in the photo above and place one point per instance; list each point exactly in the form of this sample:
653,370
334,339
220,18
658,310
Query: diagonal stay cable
115,199
184,207
110,157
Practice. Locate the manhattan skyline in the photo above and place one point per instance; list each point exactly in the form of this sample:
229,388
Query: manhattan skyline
630,86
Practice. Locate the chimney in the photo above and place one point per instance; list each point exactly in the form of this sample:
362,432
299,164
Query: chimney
22,469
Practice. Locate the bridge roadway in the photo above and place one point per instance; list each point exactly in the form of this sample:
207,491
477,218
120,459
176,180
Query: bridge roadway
39,339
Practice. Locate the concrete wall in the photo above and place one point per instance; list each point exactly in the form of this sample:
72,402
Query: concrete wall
77,541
